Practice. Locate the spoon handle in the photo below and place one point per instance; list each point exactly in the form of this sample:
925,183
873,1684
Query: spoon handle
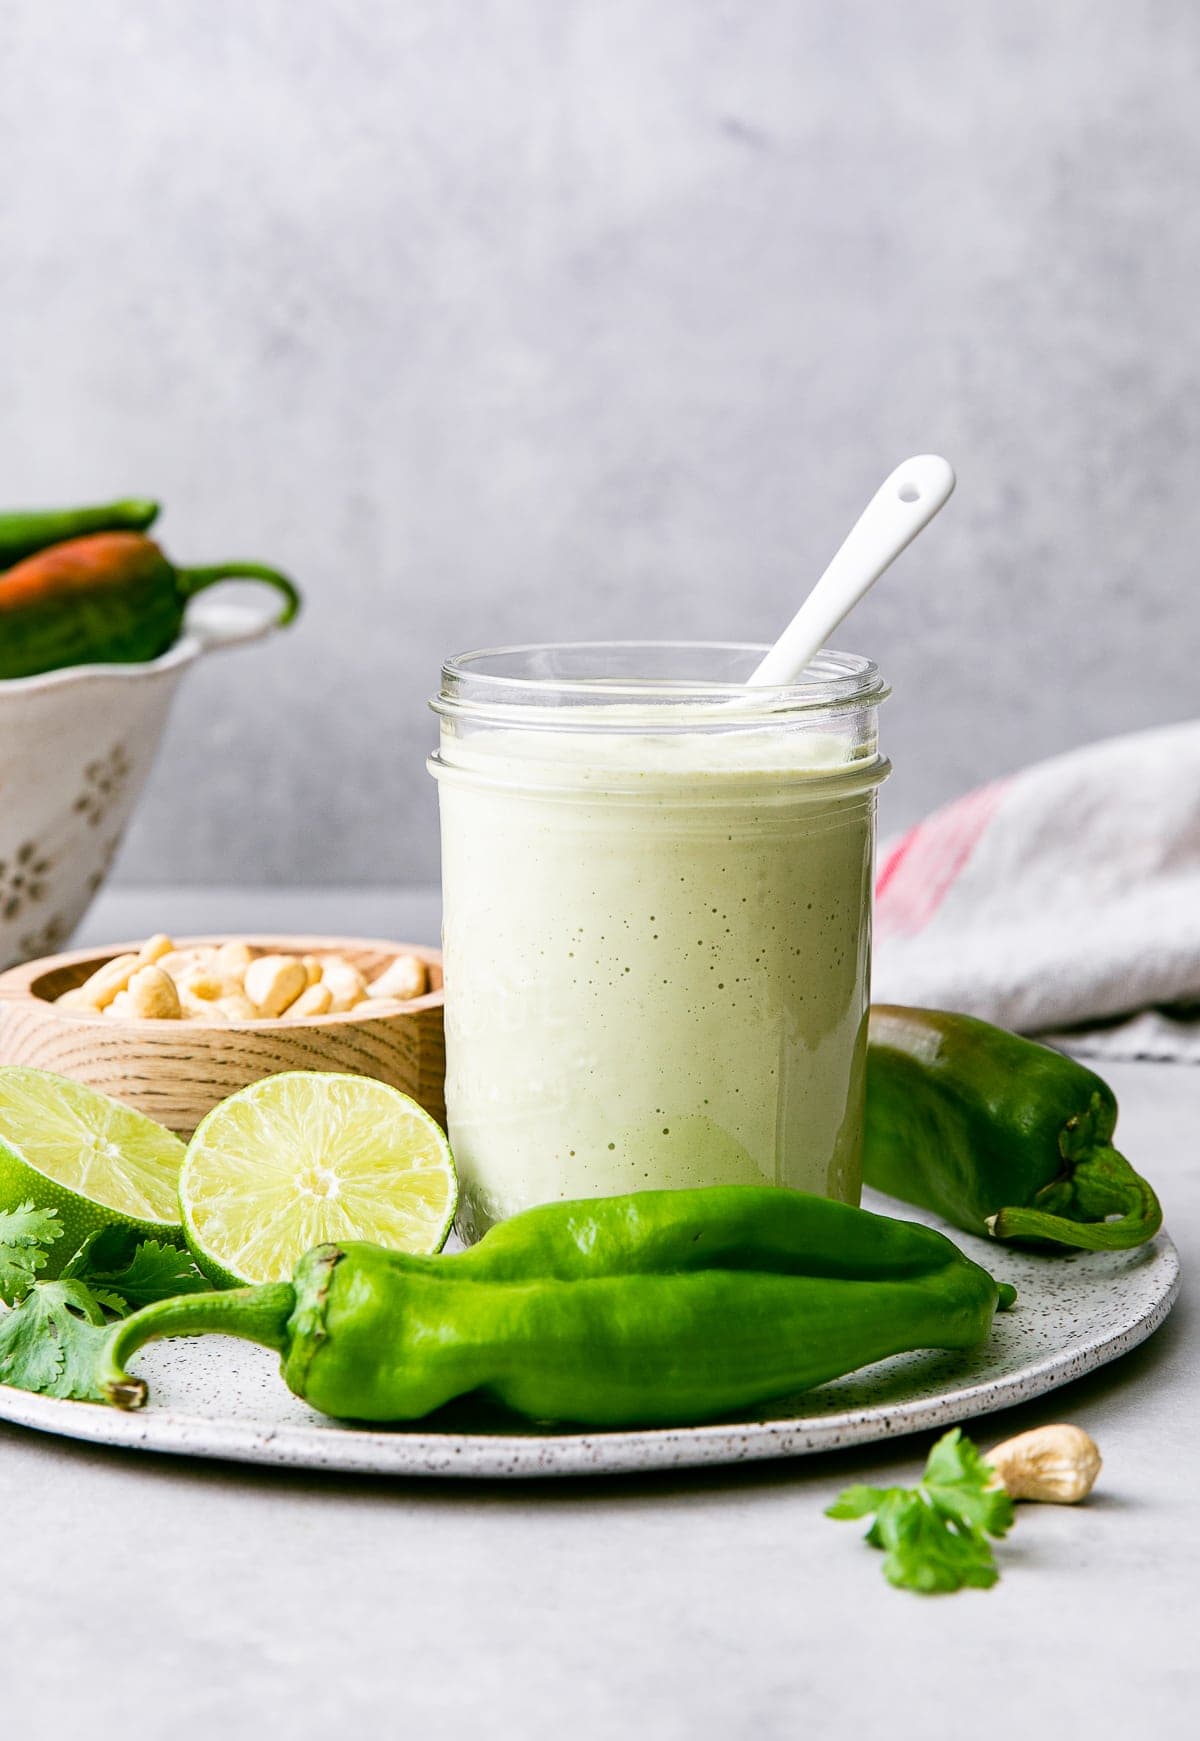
904,504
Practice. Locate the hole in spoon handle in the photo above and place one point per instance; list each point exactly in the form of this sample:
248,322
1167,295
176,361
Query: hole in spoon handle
904,503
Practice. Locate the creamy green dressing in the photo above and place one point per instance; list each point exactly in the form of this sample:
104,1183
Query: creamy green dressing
655,949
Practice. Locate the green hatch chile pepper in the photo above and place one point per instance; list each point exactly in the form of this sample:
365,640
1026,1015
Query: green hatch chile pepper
23,533
998,1134
656,1308
111,598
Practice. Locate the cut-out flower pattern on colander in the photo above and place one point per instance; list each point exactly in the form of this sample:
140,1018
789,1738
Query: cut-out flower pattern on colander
22,879
46,939
105,779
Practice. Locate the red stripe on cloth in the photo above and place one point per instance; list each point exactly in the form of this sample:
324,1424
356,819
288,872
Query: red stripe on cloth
892,862
922,867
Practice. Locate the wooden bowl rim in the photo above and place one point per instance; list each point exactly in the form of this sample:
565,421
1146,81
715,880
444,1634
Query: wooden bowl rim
16,984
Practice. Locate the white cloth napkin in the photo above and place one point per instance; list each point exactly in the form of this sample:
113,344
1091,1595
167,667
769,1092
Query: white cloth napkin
1065,895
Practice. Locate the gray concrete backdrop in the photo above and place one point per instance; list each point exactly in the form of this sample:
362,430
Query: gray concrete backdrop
499,319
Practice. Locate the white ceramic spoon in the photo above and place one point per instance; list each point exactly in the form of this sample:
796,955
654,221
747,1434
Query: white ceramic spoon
903,505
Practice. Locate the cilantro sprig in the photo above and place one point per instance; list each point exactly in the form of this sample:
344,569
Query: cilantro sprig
934,1536
52,1333
25,1232
50,1341
124,1275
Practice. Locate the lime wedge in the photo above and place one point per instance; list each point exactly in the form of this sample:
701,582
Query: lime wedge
68,1147
304,1158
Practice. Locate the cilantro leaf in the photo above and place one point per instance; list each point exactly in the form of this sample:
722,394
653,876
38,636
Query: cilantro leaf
858,1501
154,1272
926,1551
51,1341
108,1298
107,1249
124,1272
934,1536
24,1233
962,1486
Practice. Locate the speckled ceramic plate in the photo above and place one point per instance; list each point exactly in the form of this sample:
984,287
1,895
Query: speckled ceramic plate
214,1397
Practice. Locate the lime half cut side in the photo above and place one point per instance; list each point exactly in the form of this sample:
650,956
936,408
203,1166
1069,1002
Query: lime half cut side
309,1158
68,1147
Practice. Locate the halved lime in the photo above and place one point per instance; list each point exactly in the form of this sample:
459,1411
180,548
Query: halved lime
68,1147
308,1157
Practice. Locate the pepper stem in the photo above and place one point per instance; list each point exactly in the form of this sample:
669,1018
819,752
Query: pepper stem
255,1314
1107,1207
194,580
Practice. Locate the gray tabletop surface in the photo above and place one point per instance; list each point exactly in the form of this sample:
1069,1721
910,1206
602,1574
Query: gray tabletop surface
148,1597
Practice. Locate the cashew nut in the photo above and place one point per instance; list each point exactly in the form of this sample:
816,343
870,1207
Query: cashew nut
177,962
154,948
1058,1464
152,995
207,984
346,984
108,980
77,1000
316,1001
273,982
406,977
232,960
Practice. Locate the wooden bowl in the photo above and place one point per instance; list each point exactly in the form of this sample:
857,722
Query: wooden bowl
176,1071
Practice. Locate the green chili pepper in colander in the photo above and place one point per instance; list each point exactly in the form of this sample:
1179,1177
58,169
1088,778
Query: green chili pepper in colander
655,1308
998,1134
112,598
24,532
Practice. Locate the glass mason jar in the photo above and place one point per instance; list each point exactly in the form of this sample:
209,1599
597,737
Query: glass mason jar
657,894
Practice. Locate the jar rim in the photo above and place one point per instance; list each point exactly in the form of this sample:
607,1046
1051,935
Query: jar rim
832,680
